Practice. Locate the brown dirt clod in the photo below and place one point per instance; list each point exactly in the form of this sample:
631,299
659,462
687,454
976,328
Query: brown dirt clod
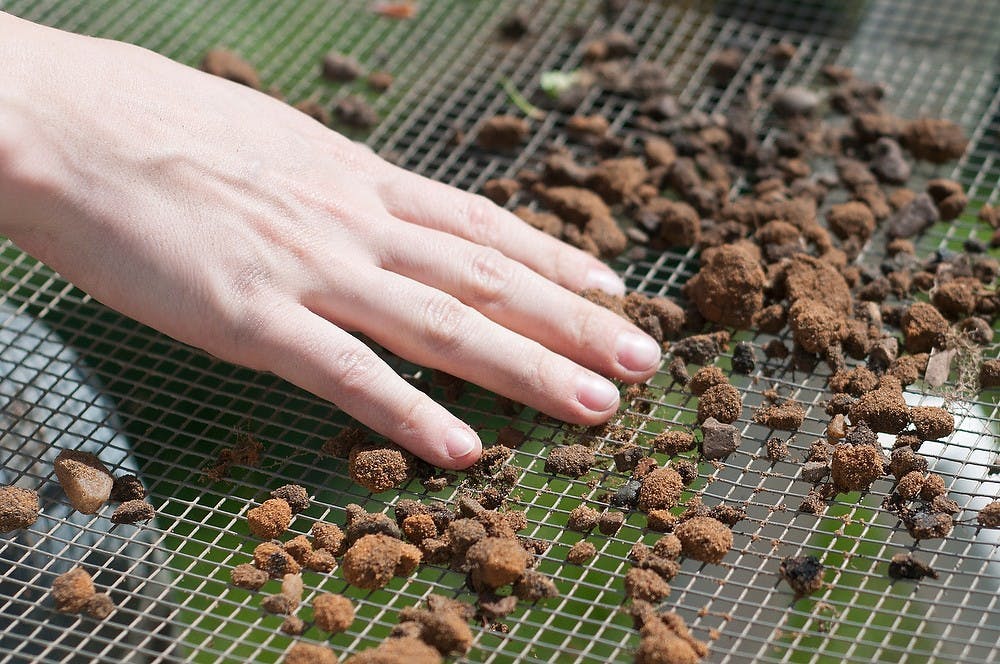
379,468
133,511
803,573
661,489
989,516
374,559
247,576
856,467
572,460
704,538
333,613
722,402
72,590
229,65
270,519
19,508
296,496
273,559
729,287
787,416
581,552
502,132
308,653
495,562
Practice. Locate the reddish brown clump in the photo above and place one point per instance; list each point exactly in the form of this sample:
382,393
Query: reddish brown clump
270,519
588,220
616,180
661,489
333,613
722,402
815,326
72,590
99,606
924,328
956,298
679,223
228,65
645,584
380,81
133,511
533,586
442,625
308,653
247,576
419,527
495,562
673,442
910,484
408,649
729,288
18,508
805,276
581,552
573,460
989,374
787,416
705,378
659,317
856,381
855,467
851,219
501,190
588,125
704,538
274,560
582,519
989,516
379,468
502,132
934,139
126,488
374,559
666,640
327,536
931,422
882,409
296,496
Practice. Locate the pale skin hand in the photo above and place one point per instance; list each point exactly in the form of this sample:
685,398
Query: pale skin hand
234,223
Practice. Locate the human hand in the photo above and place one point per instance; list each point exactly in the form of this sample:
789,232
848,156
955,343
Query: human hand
234,223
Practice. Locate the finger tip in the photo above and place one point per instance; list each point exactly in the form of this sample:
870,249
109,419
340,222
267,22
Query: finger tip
463,447
605,279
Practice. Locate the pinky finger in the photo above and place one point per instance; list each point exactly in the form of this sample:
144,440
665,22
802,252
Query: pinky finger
318,356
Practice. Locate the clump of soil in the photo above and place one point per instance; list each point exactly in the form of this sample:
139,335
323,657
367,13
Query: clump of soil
296,496
931,422
293,626
380,81
308,653
659,317
229,65
688,470
856,467
273,559
495,562
503,132
572,460
133,511
908,566
299,548
501,190
315,110
934,139
328,536
661,489
379,468
627,457
665,638
581,552
645,584
989,374
355,111
333,613
729,287
851,219
926,525
705,378
610,522
443,625
856,381
582,519
533,586
99,606
722,402
126,488
247,576
989,516
904,460
803,573
374,559
19,508
361,523
673,442
701,348
777,449
341,67
419,527
246,452
407,649
744,359
924,328
704,538
270,519
724,64
787,416
85,480
882,409
815,326
73,590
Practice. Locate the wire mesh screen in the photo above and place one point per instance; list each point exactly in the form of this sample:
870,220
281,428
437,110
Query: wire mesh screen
165,411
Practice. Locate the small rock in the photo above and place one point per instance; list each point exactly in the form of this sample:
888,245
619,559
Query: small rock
815,471
744,360
85,480
939,367
795,100
627,495
913,217
720,440
889,164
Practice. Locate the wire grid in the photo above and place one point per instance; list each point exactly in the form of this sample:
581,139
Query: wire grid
180,407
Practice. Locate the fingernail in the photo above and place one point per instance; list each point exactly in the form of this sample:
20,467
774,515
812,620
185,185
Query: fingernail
637,352
596,393
460,442
605,280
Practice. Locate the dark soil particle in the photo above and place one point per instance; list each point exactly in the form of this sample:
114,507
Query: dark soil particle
926,525
776,349
374,559
627,457
361,523
645,584
533,586
293,494
787,416
678,371
502,132
126,488
515,25
229,65
661,489
627,495
270,519
744,359
19,508
72,590
688,470
989,516
581,552
704,538
380,81
665,639
463,533
341,67
673,442
333,613
274,560
909,485
724,64
908,566
904,460
729,287
645,466
856,467
583,519
727,514
989,374
501,190
700,348
495,562
572,460
722,402
379,468
803,573
133,511
496,607
610,522
851,219
719,440
99,606
355,111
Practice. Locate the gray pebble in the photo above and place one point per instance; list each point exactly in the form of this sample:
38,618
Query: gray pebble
913,217
815,471
720,440
795,100
889,164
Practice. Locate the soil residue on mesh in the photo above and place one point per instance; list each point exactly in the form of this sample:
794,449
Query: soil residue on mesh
908,566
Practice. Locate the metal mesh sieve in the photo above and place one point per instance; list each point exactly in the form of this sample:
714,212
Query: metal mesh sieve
179,408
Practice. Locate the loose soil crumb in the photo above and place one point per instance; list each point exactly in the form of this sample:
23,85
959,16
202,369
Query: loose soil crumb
293,626
333,613
581,552
627,457
246,452
328,536
533,586
989,374
856,467
582,519
501,190
99,606
803,573
701,348
19,508
307,653
133,511
355,111
247,576
419,527
442,625
502,132
374,559
341,67
645,584
722,402
379,468
935,140
315,110
931,422
777,449
610,522
380,81
320,560
704,538
904,460
273,559
908,566
126,488
910,484
729,287
926,525
989,516
705,378
744,360
661,489
660,520
572,460
228,65
293,494
270,519
678,371
856,381
924,328
85,480
665,638
72,590
495,562
883,409
815,326
673,442
788,416
688,470
408,650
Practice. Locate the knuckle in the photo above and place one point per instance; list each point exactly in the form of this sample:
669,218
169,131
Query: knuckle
412,415
585,327
492,277
356,371
248,332
482,221
445,323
